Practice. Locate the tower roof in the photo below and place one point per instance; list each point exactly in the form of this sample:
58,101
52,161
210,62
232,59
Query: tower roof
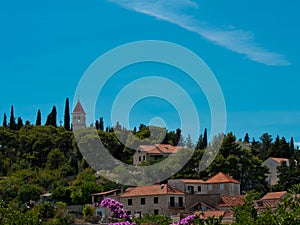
78,108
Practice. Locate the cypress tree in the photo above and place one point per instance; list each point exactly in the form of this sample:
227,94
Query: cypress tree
51,118
12,122
67,115
38,118
205,142
292,147
101,124
4,120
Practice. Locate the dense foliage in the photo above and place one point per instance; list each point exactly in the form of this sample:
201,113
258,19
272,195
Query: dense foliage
37,159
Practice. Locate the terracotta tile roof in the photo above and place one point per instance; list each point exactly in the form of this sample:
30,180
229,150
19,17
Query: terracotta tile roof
192,181
155,189
222,178
279,160
274,195
78,108
207,214
160,149
150,149
107,192
231,201
168,149
269,203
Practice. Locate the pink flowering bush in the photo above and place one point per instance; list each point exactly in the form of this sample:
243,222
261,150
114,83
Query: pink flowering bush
120,213
118,209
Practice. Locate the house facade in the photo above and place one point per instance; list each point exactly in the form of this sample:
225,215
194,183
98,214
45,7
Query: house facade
272,163
153,199
146,152
199,192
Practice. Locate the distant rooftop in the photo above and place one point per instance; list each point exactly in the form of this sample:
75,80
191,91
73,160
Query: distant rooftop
279,160
160,148
274,195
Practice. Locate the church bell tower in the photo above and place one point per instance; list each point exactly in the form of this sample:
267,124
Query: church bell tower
78,117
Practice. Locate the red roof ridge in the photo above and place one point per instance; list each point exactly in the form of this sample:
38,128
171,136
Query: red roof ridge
277,159
154,189
274,195
221,178
230,201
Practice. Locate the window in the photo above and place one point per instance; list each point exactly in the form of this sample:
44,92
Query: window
144,157
156,211
155,201
180,201
210,187
199,188
191,189
221,186
129,201
172,202
143,201
140,159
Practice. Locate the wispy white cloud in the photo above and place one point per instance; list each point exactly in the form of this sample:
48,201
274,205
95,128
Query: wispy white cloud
239,41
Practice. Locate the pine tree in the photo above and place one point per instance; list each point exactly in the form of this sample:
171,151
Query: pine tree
97,125
189,143
178,141
12,121
199,144
265,147
38,118
19,123
67,115
51,118
246,138
4,120
101,124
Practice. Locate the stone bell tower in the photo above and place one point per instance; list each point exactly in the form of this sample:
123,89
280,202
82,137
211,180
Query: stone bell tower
78,117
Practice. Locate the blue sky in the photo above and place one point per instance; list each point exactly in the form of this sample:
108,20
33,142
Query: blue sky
252,48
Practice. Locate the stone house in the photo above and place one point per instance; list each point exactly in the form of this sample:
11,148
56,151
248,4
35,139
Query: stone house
153,199
270,200
272,163
175,197
146,152
208,192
